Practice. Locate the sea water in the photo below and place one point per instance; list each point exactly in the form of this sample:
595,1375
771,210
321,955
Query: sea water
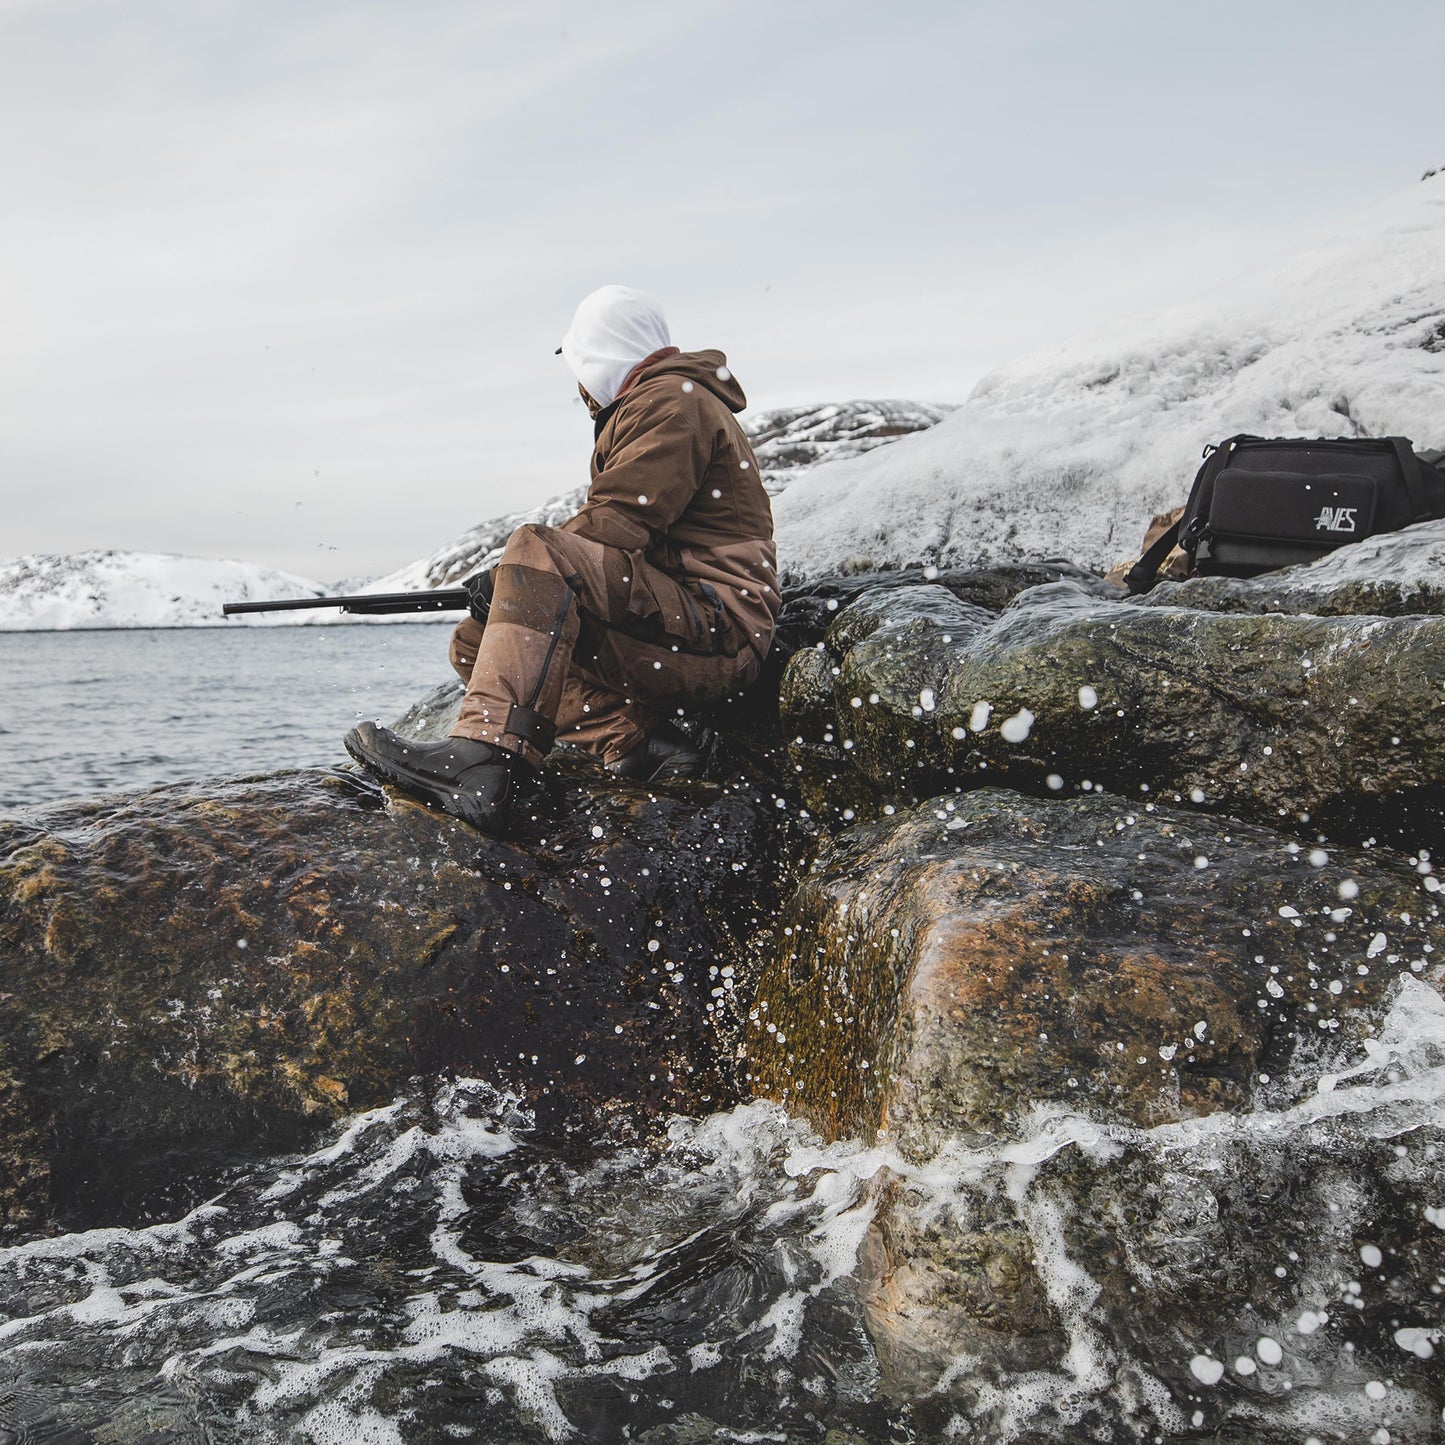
95,712
435,1271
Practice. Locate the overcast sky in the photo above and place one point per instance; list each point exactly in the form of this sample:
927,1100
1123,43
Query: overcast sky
283,280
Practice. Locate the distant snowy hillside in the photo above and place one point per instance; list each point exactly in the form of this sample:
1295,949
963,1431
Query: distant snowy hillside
793,440
53,593
1070,451
476,547
788,443
49,593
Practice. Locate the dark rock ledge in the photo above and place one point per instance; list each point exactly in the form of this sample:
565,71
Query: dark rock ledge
1002,853
195,974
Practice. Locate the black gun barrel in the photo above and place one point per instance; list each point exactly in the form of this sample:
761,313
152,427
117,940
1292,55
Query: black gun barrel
440,599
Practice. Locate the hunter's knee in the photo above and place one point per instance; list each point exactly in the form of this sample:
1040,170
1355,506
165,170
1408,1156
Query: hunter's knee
532,545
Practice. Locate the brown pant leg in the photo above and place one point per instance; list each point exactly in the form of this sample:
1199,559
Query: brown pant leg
466,639
590,716
637,634
599,720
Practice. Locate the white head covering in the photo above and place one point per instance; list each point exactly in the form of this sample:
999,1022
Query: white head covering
614,328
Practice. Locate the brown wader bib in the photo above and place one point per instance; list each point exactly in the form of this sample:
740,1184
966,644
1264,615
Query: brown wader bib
595,639
661,590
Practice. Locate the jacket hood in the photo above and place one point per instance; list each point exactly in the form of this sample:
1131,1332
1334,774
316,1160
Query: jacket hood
703,368
614,328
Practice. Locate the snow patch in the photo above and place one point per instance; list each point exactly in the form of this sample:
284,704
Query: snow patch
1070,451
83,590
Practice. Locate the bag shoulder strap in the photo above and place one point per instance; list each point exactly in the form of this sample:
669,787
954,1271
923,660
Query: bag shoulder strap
1414,483
1140,577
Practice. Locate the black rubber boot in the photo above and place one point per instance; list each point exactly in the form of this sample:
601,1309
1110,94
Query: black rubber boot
473,781
669,755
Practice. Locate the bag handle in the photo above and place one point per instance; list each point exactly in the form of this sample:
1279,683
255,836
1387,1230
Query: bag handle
1140,577
1414,483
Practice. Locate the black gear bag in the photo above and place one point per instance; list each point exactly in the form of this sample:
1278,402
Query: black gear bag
1258,504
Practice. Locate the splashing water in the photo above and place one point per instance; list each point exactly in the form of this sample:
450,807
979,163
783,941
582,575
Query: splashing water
437,1273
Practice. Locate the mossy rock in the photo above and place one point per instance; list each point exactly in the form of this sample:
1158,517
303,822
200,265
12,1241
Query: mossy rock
199,973
1311,723
942,972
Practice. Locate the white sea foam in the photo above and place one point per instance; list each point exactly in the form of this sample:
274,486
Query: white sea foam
204,1296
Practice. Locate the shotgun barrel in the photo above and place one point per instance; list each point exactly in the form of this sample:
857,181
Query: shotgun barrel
440,599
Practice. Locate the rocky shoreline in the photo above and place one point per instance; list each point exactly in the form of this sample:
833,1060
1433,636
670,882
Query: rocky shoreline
995,844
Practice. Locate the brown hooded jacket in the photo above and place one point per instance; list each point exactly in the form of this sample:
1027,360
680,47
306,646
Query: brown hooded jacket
674,477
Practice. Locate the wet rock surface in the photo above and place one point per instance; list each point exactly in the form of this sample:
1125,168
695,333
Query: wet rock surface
1107,1045
1310,723
1398,574
196,974
1130,1110
1246,1277
945,971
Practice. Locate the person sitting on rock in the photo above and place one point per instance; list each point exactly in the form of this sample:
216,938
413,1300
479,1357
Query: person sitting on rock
662,590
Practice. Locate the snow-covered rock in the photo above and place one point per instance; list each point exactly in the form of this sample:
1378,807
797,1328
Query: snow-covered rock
1393,575
1071,450
81,590
477,547
789,442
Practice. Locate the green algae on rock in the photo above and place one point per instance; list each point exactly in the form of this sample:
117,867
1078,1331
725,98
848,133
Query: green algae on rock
943,972
1332,723
198,973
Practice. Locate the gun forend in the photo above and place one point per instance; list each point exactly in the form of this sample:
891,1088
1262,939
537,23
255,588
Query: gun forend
367,604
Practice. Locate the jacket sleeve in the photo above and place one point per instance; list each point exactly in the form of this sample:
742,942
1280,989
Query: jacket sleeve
657,462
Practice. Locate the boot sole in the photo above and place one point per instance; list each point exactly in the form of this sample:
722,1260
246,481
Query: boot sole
451,801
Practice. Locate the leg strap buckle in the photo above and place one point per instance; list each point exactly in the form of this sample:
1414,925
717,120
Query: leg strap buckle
522,722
